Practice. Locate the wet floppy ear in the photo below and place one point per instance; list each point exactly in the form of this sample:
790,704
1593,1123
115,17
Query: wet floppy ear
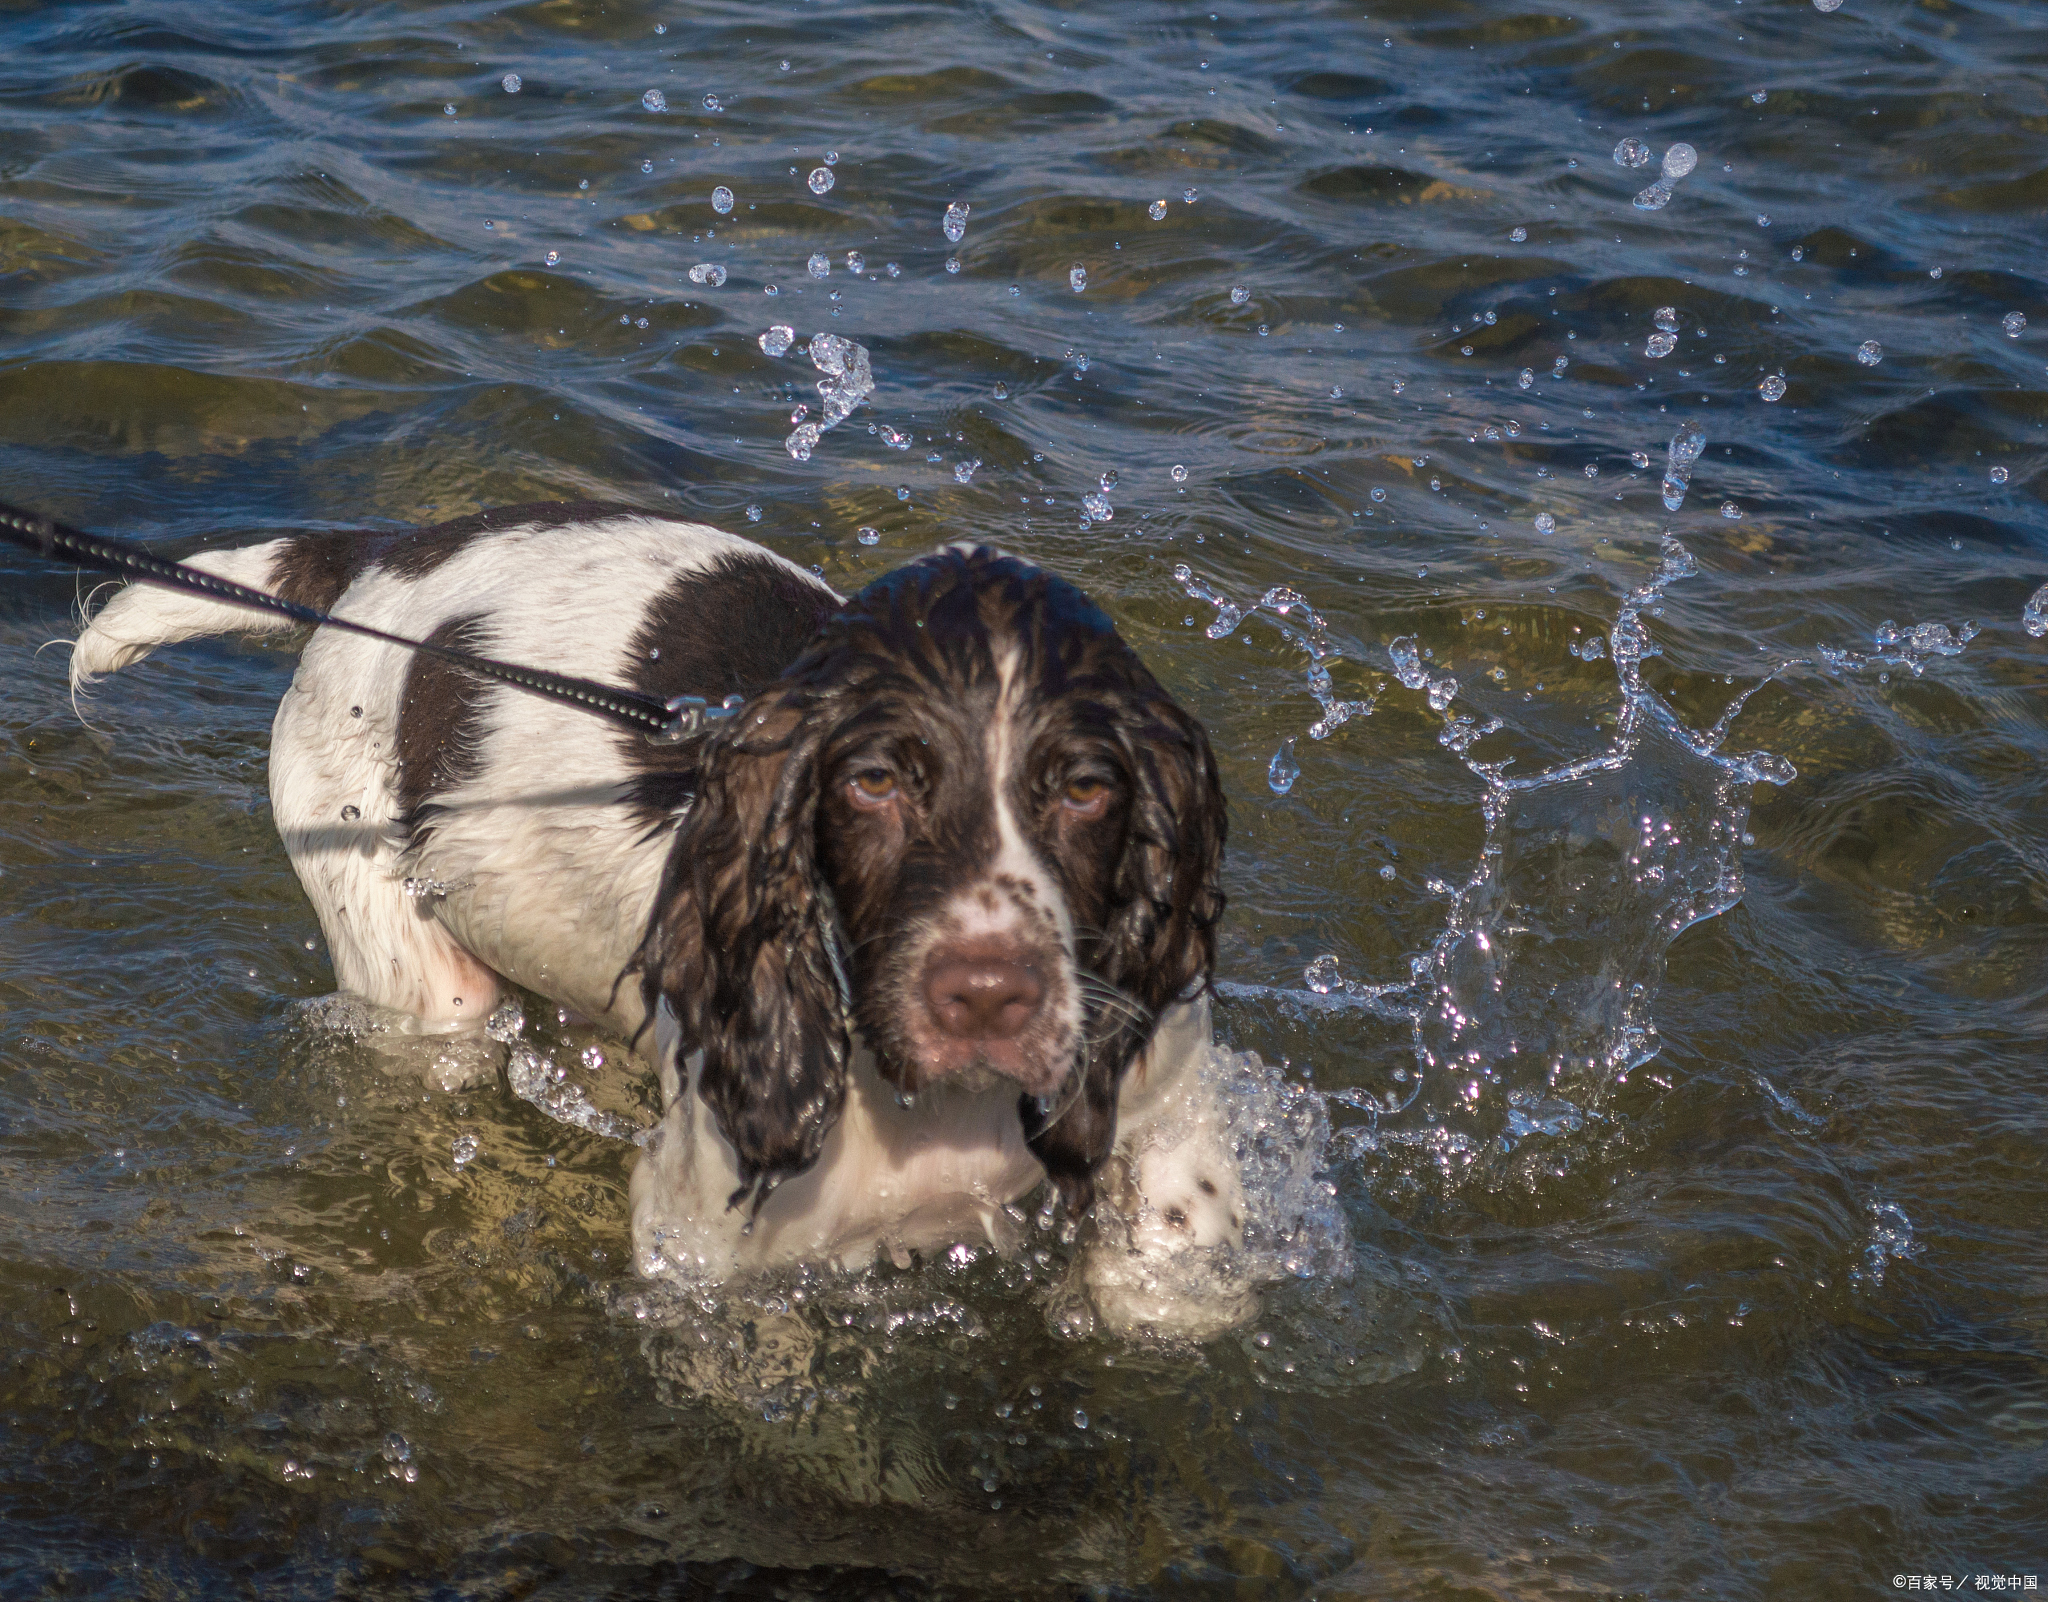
1158,942
742,945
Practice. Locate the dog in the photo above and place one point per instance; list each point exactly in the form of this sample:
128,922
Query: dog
928,921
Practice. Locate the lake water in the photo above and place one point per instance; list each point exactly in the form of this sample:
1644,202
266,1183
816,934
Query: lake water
1660,937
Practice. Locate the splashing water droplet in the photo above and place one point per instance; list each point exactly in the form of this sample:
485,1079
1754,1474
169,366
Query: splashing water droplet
1631,152
955,222
654,100
1188,195
1661,345
1827,5
1321,974
867,535
511,83
1098,508
449,109
776,341
1545,523
1518,234
856,263
1685,449
2034,618
820,265
1759,97
1655,198
465,1148
1666,318
1379,492
963,471
1283,770
1679,160
1239,294
1999,475
1001,390
1731,511
821,180
1077,278
1773,387
553,257
1109,481
647,166
1180,474
2014,324
1870,353
753,514
1156,211
1525,378
721,200
1640,458
712,103
707,272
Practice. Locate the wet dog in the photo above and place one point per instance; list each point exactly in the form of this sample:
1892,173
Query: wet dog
929,921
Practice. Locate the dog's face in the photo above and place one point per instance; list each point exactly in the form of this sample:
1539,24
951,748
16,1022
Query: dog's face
967,817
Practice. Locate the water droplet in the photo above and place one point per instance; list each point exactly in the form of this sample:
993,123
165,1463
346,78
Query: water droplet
1180,474
1077,278
1239,294
753,514
1999,475
1525,378
1870,353
1379,492
2014,324
952,264
1666,318
903,492
511,83
820,264
1661,345
1109,481
955,222
1655,198
1827,5
1545,523
707,272
1762,221
350,813
1098,508
1518,234
1731,511
465,1149
1001,390
1772,388
654,100
776,341
783,65
1934,272
1640,458
1679,160
661,27
1156,210
721,200
821,180
963,471
711,103
1685,449
1188,195
1080,1419
553,257
449,109
647,166
2034,619
1759,97
1631,152
867,535
1592,470
1336,392
1321,974
1283,770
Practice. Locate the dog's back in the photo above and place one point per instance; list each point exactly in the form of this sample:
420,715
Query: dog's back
450,830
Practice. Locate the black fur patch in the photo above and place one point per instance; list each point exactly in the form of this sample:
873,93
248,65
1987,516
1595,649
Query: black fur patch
440,725
313,569
727,630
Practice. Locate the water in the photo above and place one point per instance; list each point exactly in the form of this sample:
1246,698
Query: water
1632,986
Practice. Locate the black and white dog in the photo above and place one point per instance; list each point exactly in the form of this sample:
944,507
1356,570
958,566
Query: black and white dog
930,920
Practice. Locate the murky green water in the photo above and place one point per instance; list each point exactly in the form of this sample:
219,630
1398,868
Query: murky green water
1748,1297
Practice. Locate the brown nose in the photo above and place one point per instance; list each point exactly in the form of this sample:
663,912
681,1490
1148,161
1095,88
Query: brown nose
979,998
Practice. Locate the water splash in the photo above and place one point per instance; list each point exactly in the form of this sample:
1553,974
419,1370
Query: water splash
2034,616
848,380
1298,622
1679,160
1684,450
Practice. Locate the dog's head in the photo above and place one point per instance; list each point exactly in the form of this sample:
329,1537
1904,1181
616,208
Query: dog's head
970,824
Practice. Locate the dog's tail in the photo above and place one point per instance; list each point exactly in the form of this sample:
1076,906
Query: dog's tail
141,616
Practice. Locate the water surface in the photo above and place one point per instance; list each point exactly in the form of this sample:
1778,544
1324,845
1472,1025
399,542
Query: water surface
1683,1070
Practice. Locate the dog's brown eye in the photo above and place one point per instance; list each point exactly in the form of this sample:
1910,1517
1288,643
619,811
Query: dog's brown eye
1087,795
873,786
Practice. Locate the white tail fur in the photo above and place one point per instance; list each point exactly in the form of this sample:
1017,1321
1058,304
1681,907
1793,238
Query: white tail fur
141,617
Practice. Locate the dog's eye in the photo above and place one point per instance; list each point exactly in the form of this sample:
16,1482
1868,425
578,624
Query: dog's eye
1085,795
873,786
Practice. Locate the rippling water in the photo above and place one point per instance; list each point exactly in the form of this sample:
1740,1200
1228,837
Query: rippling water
1660,938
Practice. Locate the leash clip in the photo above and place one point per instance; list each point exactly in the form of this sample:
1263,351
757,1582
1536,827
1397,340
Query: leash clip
688,715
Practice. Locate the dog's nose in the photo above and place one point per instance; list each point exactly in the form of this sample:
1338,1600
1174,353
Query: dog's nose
979,998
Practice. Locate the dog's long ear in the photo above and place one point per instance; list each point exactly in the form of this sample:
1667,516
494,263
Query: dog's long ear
743,948
1158,943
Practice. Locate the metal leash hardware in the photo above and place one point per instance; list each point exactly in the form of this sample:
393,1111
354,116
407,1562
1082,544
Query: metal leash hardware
688,715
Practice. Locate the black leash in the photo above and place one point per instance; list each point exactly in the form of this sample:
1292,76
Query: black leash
662,722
